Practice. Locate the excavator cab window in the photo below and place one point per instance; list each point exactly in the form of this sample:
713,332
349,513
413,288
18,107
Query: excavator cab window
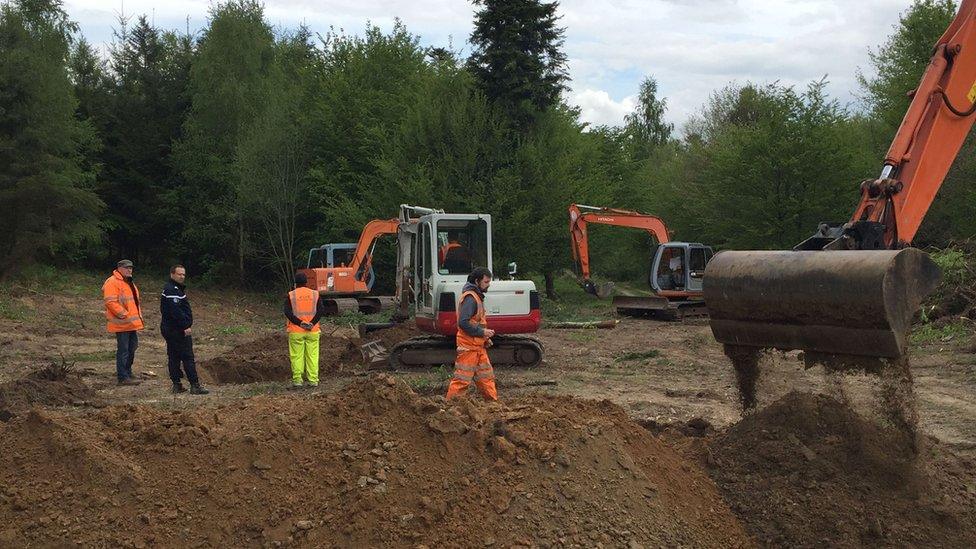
342,258
462,245
671,268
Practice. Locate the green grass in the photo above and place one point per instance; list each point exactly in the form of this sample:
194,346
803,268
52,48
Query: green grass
232,330
638,355
355,318
428,382
573,304
928,333
11,309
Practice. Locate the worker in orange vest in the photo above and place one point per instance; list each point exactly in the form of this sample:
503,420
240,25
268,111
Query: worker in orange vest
473,339
124,318
303,309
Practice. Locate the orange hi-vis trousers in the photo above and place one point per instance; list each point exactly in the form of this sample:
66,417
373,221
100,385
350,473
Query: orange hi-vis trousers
473,365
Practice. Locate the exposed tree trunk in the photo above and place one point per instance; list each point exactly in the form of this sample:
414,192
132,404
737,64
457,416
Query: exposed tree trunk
551,286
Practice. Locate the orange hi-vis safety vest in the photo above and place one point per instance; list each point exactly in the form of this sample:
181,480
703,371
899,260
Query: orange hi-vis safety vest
465,341
304,304
120,301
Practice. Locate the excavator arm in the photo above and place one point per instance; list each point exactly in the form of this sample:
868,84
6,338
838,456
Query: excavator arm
580,217
858,297
363,256
933,130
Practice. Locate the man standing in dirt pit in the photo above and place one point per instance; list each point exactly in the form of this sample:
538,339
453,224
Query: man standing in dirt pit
124,318
303,309
473,340
176,327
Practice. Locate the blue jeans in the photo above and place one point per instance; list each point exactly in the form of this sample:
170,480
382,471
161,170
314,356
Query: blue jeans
125,353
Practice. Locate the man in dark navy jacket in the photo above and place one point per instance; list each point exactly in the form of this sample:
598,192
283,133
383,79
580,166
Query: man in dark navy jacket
176,326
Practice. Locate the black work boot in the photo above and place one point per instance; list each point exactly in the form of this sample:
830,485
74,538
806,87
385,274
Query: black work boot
197,389
178,387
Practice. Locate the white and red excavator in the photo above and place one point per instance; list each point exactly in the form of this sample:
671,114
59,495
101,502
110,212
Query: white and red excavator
436,252
850,291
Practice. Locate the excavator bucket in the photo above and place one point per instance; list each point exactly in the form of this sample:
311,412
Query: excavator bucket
827,303
602,291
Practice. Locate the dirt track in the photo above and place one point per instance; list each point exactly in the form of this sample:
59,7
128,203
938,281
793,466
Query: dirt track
792,459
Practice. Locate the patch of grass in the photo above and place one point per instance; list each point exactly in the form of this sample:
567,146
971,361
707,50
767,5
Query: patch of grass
11,309
232,330
94,356
929,333
573,304
428,382
638,355
46,279
352,319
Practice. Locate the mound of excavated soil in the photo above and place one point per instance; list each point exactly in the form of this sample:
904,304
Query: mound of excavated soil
808,471
389,337
33,390
266,359
375,465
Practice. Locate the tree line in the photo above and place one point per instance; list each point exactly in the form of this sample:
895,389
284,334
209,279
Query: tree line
236,149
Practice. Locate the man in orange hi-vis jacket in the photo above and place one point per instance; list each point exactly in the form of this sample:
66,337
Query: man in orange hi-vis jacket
124,318
303,309
473,340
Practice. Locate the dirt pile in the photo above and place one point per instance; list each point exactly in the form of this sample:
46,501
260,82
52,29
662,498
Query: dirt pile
808,471
266,359
375,465
35,390
389,337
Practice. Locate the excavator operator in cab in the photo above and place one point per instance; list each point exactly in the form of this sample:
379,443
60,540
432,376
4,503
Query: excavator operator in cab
454,256
672,277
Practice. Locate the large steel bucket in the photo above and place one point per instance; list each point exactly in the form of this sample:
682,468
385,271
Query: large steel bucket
826,302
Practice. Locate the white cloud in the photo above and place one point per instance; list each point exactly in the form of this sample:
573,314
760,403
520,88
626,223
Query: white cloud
597,107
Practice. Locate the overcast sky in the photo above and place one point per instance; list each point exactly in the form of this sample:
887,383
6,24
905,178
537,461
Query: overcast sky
692,47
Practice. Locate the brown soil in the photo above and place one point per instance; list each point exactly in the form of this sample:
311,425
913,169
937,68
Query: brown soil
374,465
391,336
745,362
808,471
266,359
34,390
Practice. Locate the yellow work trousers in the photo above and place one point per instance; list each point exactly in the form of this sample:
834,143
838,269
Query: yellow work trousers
303,348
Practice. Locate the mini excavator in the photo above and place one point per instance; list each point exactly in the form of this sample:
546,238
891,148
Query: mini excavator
849,292
345,287
436,252
676,268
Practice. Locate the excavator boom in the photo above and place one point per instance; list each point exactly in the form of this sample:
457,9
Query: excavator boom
580,217
852,289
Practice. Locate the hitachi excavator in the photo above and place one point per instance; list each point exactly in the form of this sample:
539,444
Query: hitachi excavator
850,290
346,286
436,252
676,268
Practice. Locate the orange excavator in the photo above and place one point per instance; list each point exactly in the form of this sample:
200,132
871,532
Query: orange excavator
851,289
346,287
676,269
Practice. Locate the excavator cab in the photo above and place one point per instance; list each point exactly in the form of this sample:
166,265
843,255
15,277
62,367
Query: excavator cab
678,267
